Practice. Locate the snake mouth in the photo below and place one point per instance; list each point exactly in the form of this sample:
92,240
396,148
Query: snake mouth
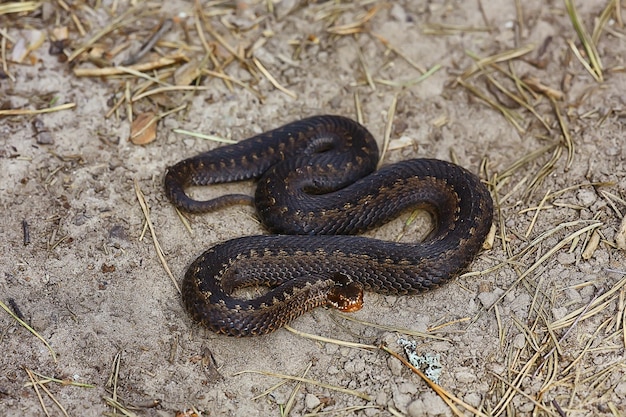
346,295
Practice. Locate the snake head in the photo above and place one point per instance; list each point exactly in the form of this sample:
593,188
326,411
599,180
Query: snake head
346,295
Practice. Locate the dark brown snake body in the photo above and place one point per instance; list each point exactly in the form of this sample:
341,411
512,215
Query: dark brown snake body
316,186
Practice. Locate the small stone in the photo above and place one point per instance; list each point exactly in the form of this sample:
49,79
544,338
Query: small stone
465,377
586,197
565,258
407,388
381,398
620,389
332,370
398,13
400,400
573,295
519,341
395,366
488,298
356,365
416,409
434,405
311,401
473,399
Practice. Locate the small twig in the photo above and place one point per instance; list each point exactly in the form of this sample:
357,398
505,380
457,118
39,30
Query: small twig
146,47
28,112
157,245
26,232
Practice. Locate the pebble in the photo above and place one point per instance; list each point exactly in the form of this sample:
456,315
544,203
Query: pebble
311,401
408,388
332,370
381,398
398,13
519,341
472,399
395,366
488,298
465,377
565,258
586,197
573,295
620,389
356,365
429,405
400,400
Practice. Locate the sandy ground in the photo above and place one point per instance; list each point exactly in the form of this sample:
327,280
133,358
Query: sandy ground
539,330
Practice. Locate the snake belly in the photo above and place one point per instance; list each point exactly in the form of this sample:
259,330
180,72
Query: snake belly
317,187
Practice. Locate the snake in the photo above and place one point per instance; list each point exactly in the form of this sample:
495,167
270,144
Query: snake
317,189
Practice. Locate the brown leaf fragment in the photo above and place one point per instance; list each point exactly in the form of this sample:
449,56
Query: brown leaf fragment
143,130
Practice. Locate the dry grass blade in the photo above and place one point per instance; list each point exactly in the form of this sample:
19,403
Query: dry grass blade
120,21
501,57
213,138
445,29
36,388
30,329
294,392
167,90
133,69
355,393
509,394
594,66
528,397
235,81
27,112
48,379
19,7
398,52
569,143
549,253
544,171
357,26
409,83
536,215
392,328
117,406
605,17
157,245
341,411
534,84
37,383
525,159
272,80
447,397
387,136
508,114
519,101
587,311
330,340
366,70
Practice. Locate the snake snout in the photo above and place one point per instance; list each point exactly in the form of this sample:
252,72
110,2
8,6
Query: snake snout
346,295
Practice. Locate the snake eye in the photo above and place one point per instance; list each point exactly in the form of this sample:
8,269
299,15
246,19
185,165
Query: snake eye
346,295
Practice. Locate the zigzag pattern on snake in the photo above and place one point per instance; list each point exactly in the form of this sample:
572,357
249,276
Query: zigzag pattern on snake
317,186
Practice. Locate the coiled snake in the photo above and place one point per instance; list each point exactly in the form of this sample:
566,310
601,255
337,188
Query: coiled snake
317,185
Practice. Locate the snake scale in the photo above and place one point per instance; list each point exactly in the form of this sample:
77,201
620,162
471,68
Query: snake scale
317,186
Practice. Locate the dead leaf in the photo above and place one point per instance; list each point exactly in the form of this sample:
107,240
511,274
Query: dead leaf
143,130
